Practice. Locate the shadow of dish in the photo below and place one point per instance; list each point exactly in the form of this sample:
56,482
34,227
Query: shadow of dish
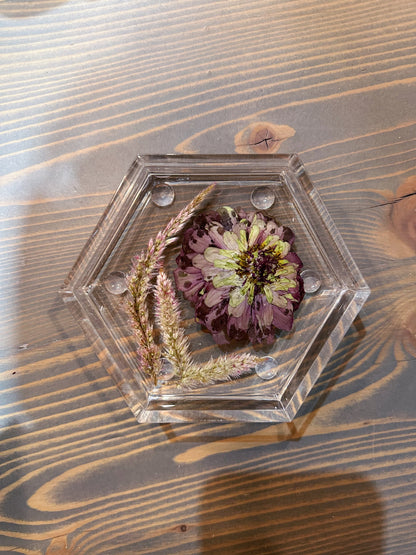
271,513
236,434
13,9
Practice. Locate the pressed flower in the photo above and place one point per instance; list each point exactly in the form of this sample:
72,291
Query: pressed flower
240,273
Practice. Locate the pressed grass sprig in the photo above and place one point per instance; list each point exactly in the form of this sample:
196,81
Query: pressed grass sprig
224,368
168,317
139,285
175,343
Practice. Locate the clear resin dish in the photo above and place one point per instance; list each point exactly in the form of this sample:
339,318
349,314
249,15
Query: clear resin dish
155,189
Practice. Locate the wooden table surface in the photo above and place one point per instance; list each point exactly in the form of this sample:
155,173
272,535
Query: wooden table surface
85,86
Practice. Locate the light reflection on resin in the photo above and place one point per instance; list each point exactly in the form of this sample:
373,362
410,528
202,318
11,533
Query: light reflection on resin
263,198
311,282
115,283
167,371
163,195
267,368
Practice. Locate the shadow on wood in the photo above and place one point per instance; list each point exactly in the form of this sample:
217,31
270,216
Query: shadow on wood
281,513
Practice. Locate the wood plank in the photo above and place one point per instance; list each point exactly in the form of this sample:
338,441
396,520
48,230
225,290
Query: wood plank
85,87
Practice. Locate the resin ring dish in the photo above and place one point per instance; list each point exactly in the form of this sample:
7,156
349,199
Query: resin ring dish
154,190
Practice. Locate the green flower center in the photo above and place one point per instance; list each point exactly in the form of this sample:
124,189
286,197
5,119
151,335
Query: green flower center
258,266
253,268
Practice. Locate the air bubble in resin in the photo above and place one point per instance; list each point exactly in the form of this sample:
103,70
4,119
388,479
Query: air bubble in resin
163,195
115,283
167,371
266,369
311,282
263,198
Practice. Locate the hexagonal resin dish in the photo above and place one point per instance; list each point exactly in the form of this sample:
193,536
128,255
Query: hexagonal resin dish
157,188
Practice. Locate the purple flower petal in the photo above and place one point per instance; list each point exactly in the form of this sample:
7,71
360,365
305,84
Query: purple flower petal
199,241
190,282
293,258
215,296
282,319
288,235
216,235
264,312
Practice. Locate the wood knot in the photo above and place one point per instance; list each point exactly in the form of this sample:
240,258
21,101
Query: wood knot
403,213
262,138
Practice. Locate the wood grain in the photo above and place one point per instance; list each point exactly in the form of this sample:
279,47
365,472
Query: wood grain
87,85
